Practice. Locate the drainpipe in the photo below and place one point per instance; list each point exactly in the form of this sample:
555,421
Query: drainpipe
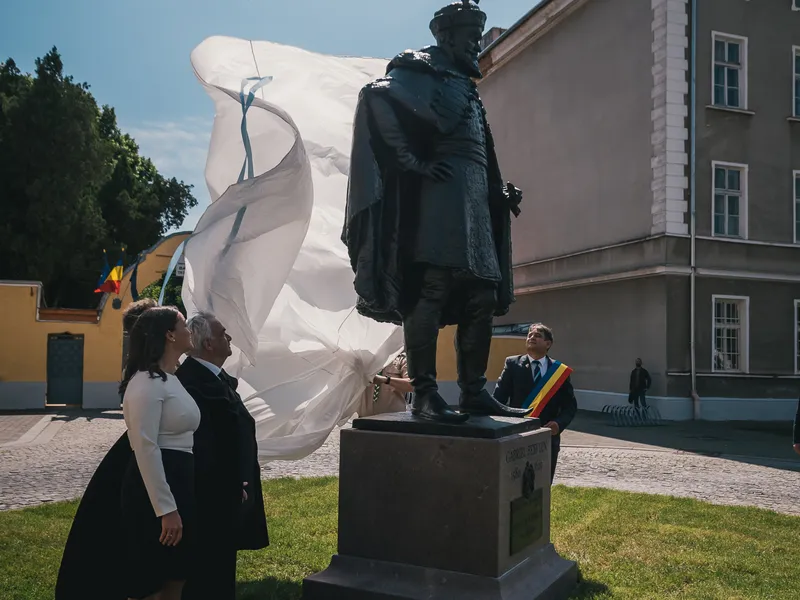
693,203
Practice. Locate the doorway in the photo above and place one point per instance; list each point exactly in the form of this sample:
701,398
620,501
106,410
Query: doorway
64,369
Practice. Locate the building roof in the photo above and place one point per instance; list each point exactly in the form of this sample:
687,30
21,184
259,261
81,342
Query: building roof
533,24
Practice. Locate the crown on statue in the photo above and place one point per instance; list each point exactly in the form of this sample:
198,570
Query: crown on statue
458,14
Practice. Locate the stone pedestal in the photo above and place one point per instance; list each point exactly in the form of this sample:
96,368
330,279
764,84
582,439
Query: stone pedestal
432,511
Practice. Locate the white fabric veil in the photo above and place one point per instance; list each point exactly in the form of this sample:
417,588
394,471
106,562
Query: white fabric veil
266,256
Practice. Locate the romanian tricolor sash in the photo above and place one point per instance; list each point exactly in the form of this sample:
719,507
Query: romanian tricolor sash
547,387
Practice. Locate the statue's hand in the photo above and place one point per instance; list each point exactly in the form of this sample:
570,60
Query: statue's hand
440,171
514,196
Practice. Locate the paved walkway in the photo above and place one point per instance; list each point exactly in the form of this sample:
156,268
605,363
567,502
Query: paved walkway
56,463
14,427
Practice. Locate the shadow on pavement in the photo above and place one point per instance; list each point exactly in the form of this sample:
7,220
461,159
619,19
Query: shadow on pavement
761,443
67,414
90,415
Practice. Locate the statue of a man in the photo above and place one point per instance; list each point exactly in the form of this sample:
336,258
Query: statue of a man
428,224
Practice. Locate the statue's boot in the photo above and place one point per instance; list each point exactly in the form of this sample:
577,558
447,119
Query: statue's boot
473,343
433,407
428,404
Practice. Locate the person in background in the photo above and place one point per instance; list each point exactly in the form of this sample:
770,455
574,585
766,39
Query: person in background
133,311
534,380
796,433
230,512
158,495
639,384
90,565
388,391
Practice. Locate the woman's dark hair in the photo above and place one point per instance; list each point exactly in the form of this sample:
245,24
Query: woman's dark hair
148,339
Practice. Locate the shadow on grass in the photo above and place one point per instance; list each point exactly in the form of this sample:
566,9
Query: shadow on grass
589,590
269,587
281,589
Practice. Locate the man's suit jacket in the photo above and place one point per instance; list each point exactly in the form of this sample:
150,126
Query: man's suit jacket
516,383
226,455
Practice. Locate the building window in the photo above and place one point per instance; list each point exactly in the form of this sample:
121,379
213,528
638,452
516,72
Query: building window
730,334
730,198
796,71
796,207
795,4
730,71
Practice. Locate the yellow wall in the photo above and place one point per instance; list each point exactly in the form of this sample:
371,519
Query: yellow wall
26,359
23,358
502,347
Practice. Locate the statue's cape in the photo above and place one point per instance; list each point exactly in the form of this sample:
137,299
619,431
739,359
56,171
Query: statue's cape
375,217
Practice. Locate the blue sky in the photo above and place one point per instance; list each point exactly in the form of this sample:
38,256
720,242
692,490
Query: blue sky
135,53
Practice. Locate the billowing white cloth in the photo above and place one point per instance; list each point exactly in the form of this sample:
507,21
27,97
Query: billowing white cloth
266,256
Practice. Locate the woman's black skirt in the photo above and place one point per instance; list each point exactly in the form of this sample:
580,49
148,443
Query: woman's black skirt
149,564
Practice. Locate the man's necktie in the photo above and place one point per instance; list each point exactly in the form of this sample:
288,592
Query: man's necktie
231,381
537,373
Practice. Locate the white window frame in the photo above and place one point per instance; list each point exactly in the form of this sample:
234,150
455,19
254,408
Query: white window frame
743,95
796,328
796,5
743,212
795,76
795,205
744,333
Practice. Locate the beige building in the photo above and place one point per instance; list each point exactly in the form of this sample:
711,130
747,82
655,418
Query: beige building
658,146
68,357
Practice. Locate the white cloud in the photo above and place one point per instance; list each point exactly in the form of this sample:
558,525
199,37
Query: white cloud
178,149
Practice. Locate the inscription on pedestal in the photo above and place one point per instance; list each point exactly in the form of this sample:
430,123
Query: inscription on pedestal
526,506
527,522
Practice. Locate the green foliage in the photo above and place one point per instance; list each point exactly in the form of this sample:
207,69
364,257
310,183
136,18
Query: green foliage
172,297
71,184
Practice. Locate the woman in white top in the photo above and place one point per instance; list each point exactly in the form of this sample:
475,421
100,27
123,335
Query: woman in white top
158,487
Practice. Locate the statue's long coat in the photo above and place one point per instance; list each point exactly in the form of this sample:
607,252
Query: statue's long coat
428,101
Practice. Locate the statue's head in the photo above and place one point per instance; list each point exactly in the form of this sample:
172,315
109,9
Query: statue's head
458,29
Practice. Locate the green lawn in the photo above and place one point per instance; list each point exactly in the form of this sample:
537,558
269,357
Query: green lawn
629,546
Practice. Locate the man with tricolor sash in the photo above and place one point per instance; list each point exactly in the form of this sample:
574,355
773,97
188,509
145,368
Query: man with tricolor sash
540,383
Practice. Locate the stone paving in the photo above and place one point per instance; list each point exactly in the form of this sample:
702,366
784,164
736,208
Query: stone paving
716,480
13,427
59,469
34,473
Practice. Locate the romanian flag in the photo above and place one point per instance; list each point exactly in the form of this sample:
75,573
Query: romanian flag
547,387
111,279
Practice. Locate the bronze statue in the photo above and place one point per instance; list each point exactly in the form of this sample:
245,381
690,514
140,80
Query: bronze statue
428,225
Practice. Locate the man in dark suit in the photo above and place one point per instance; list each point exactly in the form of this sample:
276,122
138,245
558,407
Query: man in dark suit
639,384
229,502
534,380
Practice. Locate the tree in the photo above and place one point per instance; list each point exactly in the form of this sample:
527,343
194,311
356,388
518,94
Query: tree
72,184
172,297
